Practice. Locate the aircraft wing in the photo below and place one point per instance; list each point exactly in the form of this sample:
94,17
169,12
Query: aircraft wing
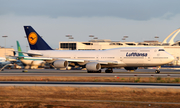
34,58
14,58
87,61
39,58
106,62
74,60
30,54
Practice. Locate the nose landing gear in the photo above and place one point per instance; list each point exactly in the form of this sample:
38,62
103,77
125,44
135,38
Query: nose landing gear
158,71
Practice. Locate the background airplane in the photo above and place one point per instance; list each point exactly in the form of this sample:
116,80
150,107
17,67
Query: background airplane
30,62
127,57
3,61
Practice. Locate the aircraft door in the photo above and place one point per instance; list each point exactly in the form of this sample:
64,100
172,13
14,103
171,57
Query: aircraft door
97,57
121,58
149,57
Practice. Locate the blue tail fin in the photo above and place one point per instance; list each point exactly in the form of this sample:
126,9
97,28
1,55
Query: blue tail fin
35,41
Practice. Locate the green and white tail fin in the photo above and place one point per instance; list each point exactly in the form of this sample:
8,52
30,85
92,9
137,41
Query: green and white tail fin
19,50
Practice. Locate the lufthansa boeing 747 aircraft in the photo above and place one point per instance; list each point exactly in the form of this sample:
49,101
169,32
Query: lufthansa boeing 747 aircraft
128,57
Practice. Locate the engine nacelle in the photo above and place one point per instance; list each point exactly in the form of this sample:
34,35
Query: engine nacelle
38,63
60,63
27,62
93,66
131,68
33,62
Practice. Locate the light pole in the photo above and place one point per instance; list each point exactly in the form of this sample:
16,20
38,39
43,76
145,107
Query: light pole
26,42
156,37
5,45
71,43
68,36
91,36
125,37
95,38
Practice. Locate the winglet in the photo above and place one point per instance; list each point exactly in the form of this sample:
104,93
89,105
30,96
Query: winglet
34,39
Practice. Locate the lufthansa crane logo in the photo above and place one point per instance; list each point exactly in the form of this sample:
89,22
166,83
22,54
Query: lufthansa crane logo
32,38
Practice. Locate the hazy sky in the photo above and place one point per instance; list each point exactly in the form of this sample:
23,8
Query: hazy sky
106,19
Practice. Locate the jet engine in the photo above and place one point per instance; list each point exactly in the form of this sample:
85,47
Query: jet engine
38,63
93,66
60,63
131,68
33,62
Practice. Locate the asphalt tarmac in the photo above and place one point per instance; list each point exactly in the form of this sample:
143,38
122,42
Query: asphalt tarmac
83,73
89,84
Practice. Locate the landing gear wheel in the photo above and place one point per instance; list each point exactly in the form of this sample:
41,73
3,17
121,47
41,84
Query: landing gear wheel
109,70
89,71
157,71
99,71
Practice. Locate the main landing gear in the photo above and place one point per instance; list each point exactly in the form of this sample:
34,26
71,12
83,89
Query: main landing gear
99,71
109,70
158,71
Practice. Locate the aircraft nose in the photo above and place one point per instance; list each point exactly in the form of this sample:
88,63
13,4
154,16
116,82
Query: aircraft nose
171,58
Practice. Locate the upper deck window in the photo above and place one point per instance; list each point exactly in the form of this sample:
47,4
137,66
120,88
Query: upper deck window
161,49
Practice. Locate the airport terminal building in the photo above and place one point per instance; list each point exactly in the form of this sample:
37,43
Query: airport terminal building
6,52
172,47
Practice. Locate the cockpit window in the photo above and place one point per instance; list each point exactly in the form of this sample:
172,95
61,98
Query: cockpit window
161,49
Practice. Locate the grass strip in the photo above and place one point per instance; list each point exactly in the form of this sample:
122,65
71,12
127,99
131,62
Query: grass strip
80,97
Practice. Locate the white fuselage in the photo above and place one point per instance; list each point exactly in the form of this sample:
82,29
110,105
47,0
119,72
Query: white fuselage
32,62
124,56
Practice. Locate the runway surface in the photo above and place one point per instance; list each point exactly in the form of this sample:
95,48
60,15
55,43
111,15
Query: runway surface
89,84
83,73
